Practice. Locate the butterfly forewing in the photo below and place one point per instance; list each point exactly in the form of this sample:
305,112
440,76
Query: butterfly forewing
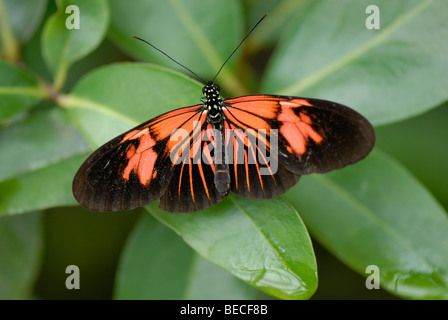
314,136
133,169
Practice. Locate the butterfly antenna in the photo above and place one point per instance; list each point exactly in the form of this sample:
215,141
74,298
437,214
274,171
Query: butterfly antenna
253,28
180,64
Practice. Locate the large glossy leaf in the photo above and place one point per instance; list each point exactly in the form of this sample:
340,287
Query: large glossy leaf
198,34
62,46
261,242
108,101
19,90
40,189
376,213
115,98
387,74
40,156
40,140
20,254
157,264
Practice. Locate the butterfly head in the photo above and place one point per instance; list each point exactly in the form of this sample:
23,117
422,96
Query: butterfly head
213,102
211,90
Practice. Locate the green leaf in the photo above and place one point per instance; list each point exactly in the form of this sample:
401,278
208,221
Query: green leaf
157,264
62,46
39,159
113,99
387,74
20,254
376,213
19,90
22,16
280,16
18,21
199,34
417,144
261,242
44,138
40,189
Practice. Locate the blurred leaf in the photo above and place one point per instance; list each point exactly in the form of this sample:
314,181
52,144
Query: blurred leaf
44,138
418,144
20,254
43,188
387,74
62,46
19,90
22,16
199,34
280,15
376,213
93,241
41,156
261,242
32,53
157,264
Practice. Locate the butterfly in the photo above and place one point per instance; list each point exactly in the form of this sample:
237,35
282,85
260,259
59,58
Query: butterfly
256,146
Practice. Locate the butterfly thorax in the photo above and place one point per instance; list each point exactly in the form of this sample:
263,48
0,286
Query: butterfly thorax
213,103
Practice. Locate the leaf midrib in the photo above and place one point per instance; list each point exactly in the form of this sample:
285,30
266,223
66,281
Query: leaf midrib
274,248
369,215
73,101
324,72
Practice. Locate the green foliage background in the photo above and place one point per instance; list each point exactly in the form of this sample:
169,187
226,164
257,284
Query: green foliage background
65,92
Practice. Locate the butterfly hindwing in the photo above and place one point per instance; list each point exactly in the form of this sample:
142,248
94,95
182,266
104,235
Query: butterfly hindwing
192,187
253,164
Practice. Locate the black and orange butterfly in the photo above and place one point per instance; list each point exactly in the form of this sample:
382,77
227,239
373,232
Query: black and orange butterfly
255,146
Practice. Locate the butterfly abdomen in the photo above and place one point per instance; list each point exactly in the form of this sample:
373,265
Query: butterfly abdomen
222,178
